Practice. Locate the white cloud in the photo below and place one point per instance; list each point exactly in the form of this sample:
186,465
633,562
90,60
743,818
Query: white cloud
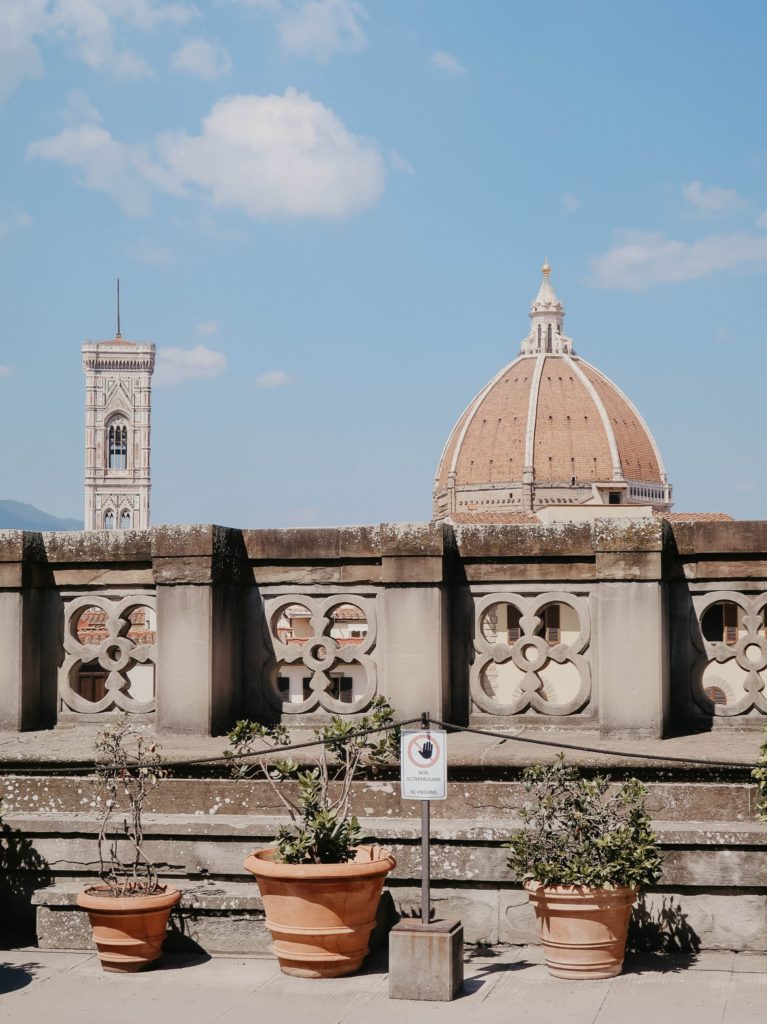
713,199
323,28
273,379
177,365
6,371
20,58
269,6
80,109
207,328
762,220
146,250
125,172
399,163
447,63
267,155
645,258
570,203
15,219
89,29
277,156
202,58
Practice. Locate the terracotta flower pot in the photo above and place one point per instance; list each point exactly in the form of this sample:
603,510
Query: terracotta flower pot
321,915
583,930
128,930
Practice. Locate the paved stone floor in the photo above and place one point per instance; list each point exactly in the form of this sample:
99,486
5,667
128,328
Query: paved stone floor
68,744
69,988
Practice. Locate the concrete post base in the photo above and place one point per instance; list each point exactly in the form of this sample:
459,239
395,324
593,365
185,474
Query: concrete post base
426,960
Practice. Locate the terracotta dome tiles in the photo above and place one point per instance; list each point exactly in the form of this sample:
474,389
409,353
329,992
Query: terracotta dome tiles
638,458
553,413
494,444
569,436
487,445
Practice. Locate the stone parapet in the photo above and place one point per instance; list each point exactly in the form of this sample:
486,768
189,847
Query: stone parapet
449,618
712,893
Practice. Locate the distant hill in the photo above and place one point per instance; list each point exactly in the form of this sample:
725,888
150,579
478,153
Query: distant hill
15,515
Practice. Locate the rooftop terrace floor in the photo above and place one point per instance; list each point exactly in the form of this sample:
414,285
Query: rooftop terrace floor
70,988
73,744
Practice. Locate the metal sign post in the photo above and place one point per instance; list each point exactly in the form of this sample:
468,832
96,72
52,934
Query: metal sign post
424,777
425,957
425,863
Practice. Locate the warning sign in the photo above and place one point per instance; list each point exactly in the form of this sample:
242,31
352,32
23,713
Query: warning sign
423,765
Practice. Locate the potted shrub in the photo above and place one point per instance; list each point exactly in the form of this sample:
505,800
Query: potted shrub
129,908
320,885
586,849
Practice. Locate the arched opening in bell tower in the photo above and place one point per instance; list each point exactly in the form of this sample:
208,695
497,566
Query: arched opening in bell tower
117,451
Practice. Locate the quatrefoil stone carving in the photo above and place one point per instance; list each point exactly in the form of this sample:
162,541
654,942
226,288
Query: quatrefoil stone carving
749,653
115,654
530,654
320,653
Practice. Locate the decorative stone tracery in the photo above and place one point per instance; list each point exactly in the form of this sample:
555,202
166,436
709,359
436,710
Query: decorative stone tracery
746,649
111,649
320,653
532,654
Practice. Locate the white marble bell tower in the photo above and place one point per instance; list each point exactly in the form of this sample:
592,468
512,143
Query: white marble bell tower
118,408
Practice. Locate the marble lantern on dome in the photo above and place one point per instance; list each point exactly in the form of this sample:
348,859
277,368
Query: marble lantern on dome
548,429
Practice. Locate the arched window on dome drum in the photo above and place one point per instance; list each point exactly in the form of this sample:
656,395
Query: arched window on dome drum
109,519
125,520
118,446
539,337
548,338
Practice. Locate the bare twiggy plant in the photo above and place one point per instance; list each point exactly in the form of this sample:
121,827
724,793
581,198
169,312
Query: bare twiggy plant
128,768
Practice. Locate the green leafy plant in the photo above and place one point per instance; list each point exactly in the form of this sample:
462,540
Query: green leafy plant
581,831
128,768
760,774
323,831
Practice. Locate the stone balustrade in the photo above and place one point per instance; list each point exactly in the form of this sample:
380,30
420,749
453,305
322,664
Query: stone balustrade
623,626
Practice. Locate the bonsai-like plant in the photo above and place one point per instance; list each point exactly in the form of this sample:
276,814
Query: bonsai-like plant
584,832
128,769
323,831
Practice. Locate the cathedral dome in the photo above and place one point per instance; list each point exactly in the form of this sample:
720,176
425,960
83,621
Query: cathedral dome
549,429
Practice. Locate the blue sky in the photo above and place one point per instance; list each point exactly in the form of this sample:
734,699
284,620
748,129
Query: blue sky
330,216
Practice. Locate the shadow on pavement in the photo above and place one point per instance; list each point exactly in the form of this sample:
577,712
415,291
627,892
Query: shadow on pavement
660,925
658,963
503,963
14,976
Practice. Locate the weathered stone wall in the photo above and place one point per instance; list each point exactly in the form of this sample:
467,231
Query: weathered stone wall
199,832
636,662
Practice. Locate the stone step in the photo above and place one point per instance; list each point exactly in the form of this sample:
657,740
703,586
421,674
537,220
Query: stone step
489,799
708,854
217,918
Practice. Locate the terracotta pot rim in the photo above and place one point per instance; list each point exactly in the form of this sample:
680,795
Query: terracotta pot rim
381,862
533,886
97,897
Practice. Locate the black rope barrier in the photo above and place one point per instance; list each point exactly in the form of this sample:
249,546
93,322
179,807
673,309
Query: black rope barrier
674,759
